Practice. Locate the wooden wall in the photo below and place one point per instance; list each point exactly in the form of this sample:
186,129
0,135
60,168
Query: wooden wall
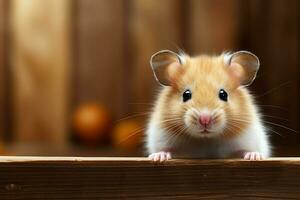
64,53
273,34
212,26
2,82
40,69
99,47
150,28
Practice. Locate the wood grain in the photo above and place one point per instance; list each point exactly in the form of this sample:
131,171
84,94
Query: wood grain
212,26
40,59
282,47
153,26
2,70
99,53
277,45
135,178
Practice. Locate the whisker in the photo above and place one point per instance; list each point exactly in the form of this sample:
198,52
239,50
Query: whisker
270,129
236,125
140,130
263,115
144,128
282,126
272,123
272,106
133,116
185,137
274,89
142,103
275,117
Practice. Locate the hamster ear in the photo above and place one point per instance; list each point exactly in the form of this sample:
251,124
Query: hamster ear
165,64
244,66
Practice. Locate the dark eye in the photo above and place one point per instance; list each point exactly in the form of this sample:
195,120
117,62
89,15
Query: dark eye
223,95
187,95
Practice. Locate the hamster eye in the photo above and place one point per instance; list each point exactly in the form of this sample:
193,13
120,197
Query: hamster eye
223,95
187,95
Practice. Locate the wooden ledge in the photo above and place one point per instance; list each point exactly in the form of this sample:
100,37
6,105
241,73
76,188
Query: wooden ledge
143,161
135,178
4,159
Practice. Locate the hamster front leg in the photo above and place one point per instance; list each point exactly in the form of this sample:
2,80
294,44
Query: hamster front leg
248,155
253,156
157,144
253,143
161,156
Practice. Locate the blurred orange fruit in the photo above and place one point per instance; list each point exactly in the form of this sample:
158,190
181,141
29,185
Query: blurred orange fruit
91,122
127,135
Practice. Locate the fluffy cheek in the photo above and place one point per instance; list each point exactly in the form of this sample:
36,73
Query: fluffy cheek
191,120
219,122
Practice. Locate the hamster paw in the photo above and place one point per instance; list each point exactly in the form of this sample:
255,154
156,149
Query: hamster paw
161,156
253,156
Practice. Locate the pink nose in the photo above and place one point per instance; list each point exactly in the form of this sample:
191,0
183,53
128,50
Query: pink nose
205,119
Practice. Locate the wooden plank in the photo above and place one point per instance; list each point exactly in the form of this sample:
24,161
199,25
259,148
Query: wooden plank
99,49
153,26
135,178
2,70
40,59
212,26
140,160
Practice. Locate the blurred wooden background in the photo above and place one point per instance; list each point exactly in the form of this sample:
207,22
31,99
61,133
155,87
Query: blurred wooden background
57,54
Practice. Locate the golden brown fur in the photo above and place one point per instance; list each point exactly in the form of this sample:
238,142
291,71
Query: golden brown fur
205,76
204,109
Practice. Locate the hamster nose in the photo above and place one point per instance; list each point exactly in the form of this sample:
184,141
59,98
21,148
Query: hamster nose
205,119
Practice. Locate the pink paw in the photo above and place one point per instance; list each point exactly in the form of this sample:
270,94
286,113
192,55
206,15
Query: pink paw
161,156
253,156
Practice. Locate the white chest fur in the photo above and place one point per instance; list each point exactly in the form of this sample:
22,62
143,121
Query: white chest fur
253,139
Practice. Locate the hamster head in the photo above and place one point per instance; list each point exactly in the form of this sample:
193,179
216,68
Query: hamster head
205,96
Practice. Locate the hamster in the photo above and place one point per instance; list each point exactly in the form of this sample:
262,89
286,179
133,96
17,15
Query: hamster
204,109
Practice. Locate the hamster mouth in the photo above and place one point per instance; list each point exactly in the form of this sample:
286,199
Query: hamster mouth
205,131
